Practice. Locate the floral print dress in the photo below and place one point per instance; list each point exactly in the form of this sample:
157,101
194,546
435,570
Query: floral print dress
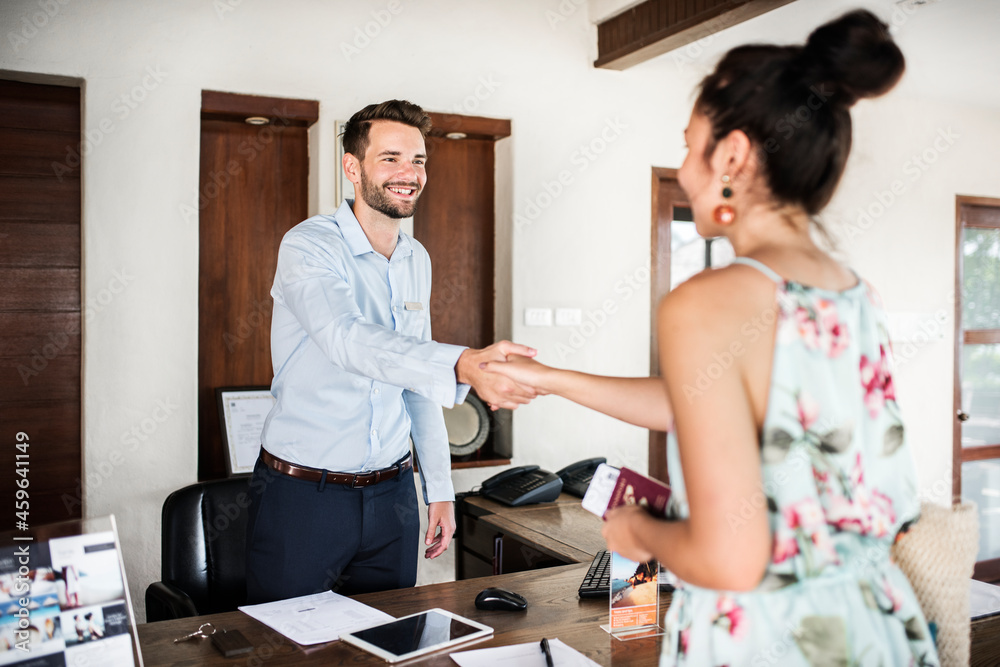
838,484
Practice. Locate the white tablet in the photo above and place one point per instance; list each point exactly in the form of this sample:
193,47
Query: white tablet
417,634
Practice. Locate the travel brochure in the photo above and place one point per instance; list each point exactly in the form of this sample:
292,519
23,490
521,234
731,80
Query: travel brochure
63,602
634,586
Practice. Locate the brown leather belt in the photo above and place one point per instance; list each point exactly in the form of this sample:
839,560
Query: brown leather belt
354,480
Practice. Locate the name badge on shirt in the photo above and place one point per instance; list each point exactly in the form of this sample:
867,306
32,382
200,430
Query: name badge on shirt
413,305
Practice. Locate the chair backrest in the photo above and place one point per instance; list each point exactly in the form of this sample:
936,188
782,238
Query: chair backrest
204,542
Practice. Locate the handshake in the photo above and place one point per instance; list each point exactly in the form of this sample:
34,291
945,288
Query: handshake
503,374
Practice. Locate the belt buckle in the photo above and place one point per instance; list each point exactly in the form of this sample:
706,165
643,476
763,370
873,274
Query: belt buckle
354,481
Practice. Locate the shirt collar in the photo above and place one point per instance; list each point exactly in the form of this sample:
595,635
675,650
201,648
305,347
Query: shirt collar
355,236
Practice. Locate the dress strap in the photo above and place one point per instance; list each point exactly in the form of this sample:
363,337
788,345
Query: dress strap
760,266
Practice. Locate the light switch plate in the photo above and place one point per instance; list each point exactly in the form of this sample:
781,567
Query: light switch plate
568,317
537,317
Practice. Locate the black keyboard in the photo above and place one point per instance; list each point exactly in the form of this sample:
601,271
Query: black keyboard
577,483
597,582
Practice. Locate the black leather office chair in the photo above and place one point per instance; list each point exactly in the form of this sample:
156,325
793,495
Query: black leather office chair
203,563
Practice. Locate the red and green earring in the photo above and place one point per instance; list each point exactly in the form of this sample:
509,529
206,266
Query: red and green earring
724,213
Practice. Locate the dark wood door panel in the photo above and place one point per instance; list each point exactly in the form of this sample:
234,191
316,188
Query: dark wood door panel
54,244
33,106
455,222
40,199
254,187
41,289
32,152
40,304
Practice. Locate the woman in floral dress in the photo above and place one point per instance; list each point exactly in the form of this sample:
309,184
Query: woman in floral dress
788,458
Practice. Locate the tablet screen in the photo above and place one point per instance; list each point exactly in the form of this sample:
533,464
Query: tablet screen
419,633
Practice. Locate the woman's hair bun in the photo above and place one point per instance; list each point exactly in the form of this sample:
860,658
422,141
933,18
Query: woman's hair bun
854,55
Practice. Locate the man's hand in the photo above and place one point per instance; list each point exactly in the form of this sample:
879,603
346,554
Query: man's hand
497,390
440,514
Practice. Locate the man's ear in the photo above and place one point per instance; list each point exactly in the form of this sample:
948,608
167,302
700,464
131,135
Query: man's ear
352,167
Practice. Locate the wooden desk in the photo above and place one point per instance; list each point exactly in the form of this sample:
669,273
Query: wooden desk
496,539
553,611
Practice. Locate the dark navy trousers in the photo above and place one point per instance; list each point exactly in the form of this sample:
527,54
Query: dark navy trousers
309,537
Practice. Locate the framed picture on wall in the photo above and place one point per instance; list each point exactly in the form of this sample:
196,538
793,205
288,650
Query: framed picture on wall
242,411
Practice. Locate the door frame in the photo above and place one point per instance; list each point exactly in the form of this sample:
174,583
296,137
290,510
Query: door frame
987,570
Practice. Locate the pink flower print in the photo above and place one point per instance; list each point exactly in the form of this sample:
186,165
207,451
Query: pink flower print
834,333
808,410
877,382
808,328
785,546
684,639
844,515
733,613
895,598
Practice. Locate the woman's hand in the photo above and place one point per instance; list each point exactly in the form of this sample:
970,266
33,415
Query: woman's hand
621,530
524,371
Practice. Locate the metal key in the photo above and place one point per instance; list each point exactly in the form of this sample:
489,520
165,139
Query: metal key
199,633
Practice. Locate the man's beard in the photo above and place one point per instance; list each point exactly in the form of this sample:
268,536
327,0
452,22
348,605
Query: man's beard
376,198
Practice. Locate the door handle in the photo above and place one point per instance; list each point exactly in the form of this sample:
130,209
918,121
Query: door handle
963,416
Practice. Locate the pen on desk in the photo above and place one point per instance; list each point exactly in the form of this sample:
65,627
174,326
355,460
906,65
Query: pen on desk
547,652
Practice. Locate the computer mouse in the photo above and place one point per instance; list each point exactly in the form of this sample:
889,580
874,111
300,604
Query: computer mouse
498,599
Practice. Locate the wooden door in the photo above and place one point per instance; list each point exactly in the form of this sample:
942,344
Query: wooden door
667,198
40,208
455,221
976,461
253,188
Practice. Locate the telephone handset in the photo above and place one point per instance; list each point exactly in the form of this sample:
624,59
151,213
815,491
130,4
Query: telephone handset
523,485
576,476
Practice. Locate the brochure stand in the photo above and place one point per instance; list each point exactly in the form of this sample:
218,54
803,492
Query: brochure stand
634,599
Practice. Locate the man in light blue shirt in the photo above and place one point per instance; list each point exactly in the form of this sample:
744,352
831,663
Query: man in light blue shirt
356,375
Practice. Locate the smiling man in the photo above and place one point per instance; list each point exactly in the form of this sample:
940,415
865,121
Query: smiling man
356,375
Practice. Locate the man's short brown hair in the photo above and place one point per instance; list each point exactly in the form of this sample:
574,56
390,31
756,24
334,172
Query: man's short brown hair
400,111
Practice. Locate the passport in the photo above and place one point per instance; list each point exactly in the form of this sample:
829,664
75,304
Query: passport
612,487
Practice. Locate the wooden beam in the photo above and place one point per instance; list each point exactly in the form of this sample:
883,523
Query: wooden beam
658,26
474,127
229,106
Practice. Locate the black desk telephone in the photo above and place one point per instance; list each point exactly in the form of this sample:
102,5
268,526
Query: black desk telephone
525,485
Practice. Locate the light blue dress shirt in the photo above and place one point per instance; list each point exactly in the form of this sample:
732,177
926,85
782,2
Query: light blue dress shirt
355,370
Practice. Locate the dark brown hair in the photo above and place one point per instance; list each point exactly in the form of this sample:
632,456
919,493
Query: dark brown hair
793,102
400,111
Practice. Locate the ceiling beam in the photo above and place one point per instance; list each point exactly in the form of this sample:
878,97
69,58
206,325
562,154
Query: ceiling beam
658,26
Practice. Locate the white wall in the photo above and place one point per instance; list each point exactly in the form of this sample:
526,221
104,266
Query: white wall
528,61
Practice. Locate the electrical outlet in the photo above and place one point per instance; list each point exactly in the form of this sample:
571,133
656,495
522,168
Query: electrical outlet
537,317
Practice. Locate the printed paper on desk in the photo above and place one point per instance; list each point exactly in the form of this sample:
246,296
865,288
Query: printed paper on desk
599,492
314,619
523,655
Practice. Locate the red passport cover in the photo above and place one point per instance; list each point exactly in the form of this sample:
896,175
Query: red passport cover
633,488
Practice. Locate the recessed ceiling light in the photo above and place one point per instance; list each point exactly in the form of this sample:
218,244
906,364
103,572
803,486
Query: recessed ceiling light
456,135
257,120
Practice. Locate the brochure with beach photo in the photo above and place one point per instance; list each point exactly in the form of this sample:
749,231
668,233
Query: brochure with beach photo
63,600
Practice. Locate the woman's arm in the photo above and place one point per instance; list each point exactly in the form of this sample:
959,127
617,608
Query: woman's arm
721,545
639,401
